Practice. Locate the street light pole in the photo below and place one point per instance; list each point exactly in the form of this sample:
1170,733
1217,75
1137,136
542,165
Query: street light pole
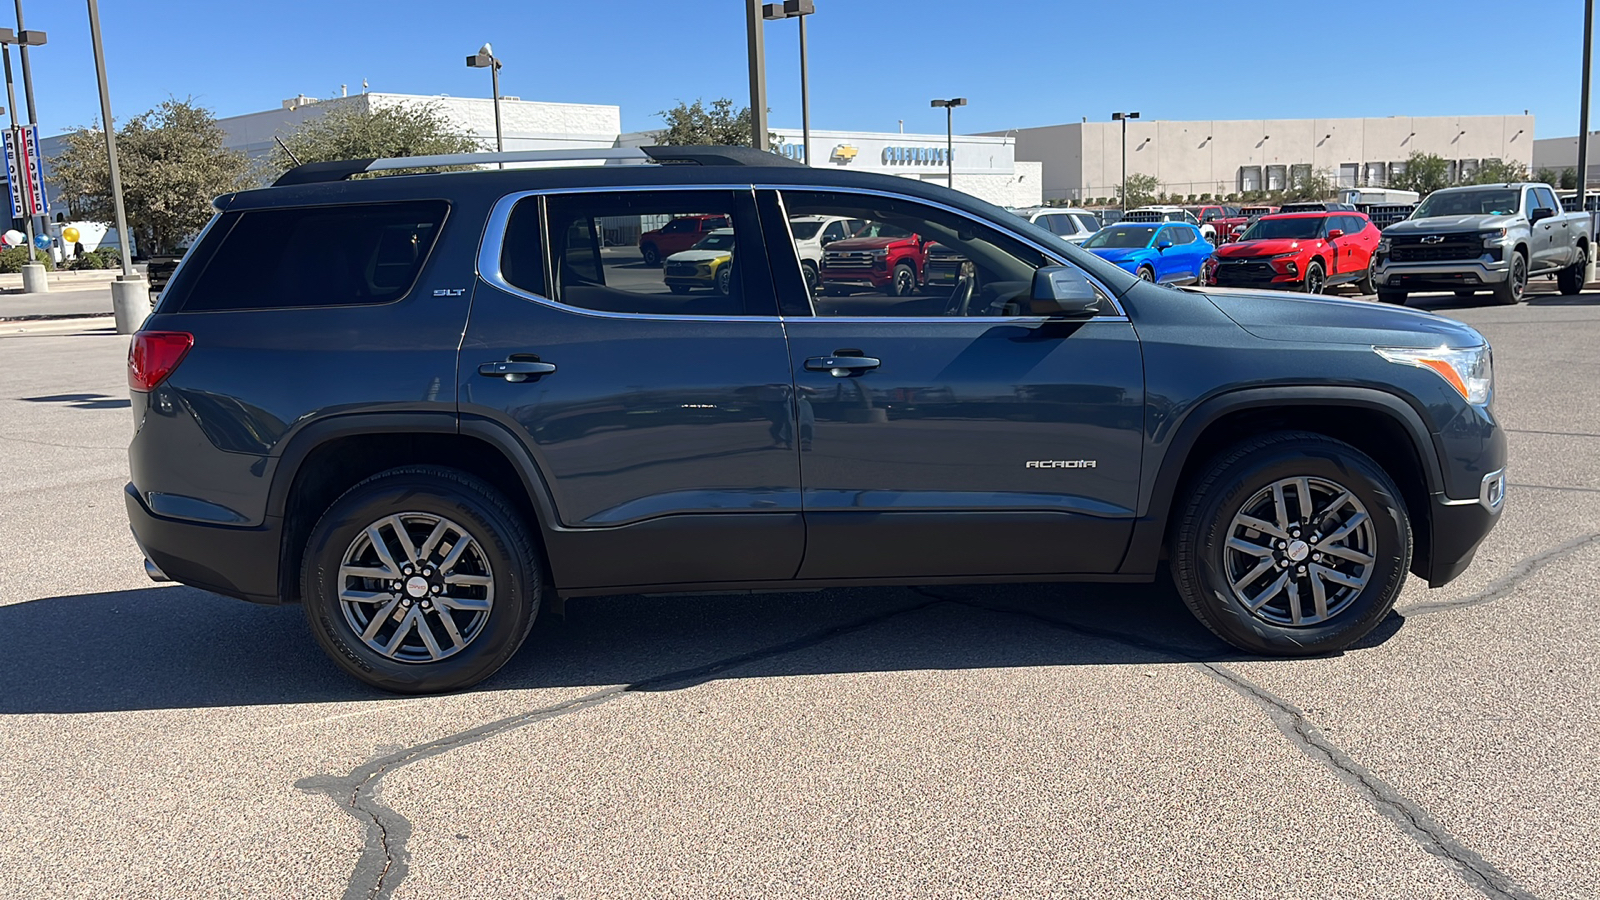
758,76
130,302
1583,110
949,135
26,39
1123,118
485,59
6,39
797,9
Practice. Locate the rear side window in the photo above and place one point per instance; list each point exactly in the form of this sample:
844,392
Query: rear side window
316,256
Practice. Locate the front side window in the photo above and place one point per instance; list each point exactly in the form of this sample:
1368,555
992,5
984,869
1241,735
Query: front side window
1087,222
912,260
1547,198
315,256
1290,228
597,261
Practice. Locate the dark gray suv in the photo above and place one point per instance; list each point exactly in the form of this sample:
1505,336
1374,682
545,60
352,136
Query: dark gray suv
423,405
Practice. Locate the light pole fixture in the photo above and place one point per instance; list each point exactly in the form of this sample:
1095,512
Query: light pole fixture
949,135
758,75
485,59
1123,117
797,9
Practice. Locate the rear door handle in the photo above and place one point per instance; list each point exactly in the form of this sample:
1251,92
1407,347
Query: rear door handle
842,366
516,369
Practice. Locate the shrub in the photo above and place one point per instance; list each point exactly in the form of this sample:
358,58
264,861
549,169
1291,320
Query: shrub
13,258
110,257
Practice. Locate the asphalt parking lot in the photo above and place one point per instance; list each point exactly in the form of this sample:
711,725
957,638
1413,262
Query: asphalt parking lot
1016,741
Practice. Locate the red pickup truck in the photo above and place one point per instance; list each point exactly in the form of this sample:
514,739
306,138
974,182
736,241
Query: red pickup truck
879,256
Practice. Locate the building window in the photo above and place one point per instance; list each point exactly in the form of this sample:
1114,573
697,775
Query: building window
1397,170
1277,178
1299,174
1348,173
1249,178
1376,175
1469,169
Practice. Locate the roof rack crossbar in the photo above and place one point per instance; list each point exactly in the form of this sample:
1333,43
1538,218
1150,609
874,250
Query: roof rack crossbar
475,159
322,172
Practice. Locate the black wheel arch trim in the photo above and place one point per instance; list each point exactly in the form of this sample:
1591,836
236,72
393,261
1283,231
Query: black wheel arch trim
1160,489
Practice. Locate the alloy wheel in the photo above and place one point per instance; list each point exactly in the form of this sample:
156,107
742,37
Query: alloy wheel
416,587
1295,541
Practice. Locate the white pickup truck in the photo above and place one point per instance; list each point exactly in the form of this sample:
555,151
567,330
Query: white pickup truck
1491,237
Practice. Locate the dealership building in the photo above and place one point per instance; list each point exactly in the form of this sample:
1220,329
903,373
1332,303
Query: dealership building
1082,161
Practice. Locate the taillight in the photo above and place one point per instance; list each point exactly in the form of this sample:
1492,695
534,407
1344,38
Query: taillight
153,355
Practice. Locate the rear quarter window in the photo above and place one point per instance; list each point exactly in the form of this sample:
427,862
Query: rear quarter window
311,256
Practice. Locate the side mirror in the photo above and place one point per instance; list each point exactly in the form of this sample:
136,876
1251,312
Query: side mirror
1540,214
1062,292
824,241
1334,234
1163,244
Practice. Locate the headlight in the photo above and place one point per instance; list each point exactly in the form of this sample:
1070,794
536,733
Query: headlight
1384,244
1492,236
880,254
1469,371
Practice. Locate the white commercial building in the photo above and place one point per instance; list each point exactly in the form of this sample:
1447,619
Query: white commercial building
1083,160
985,166
1560,154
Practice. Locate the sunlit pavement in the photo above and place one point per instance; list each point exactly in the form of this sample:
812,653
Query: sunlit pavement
1041,740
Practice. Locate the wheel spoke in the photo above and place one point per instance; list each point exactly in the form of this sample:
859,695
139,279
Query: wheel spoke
1253,574
352,596
1355,556
1343,531
450,560
380,547
450,629
1302,489
1338,577
1319,593
432,543
1295,616
378,619
1270,592
1244,546
401,632
384,574
1280,508
1262,526
404,540
474,580
428,640
1334,504
462,603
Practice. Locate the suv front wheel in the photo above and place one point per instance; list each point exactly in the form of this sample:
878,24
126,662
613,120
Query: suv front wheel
1293,544
421,579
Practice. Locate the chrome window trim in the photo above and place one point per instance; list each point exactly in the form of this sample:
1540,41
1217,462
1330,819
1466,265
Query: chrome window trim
491,244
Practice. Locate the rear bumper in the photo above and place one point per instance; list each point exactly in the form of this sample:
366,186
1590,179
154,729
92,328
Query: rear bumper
238,562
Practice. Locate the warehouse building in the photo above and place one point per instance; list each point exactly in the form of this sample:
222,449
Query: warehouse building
1082,161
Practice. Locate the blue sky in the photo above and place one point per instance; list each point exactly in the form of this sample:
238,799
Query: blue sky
873,62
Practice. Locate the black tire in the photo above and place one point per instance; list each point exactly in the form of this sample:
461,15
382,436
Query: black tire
1315,281
1236,476
1510,291
652,256
679,288
725,280
808,270
1570,279
508,551
904,281
1146,273
1398,298
1369,281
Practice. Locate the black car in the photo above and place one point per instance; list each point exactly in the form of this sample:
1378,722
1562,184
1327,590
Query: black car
424,406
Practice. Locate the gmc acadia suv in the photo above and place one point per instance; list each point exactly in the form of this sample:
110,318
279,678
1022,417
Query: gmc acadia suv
426,406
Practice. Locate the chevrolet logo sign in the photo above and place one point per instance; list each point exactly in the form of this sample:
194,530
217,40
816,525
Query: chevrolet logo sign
844,153
1433,239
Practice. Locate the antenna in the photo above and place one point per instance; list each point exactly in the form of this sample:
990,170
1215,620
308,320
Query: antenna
292,157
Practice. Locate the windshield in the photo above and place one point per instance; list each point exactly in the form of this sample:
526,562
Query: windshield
882,230
1118,237
1298,228
1495,202
715,241
804,231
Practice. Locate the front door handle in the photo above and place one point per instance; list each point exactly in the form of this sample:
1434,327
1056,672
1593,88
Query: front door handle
841,366
516,369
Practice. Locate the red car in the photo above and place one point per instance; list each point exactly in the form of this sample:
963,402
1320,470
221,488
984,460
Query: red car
679,234
1299,252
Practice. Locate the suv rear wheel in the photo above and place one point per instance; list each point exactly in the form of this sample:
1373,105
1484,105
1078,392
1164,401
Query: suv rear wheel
421,579
1570,279
1293,544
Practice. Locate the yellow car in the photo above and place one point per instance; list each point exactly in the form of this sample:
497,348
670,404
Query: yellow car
708,264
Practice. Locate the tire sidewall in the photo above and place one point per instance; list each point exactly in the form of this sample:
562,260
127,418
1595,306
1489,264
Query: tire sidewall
516,588
1391,527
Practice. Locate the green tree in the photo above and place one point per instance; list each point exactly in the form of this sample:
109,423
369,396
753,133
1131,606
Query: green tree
720,125
350,129
1496,171
172,163
1314,185
1425,173
1141,190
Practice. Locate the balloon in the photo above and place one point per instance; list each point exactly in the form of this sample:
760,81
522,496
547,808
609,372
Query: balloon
42,241
70,234
15,238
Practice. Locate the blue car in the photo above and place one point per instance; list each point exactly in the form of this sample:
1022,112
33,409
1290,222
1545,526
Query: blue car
1165,252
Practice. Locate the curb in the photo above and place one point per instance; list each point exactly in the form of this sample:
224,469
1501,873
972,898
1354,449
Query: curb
55,325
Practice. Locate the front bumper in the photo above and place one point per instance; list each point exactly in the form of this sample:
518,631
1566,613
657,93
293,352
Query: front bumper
248,556
1441,275
1458,527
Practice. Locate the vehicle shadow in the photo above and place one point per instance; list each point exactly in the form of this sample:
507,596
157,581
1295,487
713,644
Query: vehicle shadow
83,401
180,648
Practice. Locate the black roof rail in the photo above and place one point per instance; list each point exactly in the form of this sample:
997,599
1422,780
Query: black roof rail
694,155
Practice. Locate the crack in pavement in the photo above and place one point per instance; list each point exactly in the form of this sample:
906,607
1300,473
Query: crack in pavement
1411,818
1508,582
385,860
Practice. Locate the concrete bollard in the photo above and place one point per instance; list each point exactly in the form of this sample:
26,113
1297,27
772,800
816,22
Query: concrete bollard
34,280
130,303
